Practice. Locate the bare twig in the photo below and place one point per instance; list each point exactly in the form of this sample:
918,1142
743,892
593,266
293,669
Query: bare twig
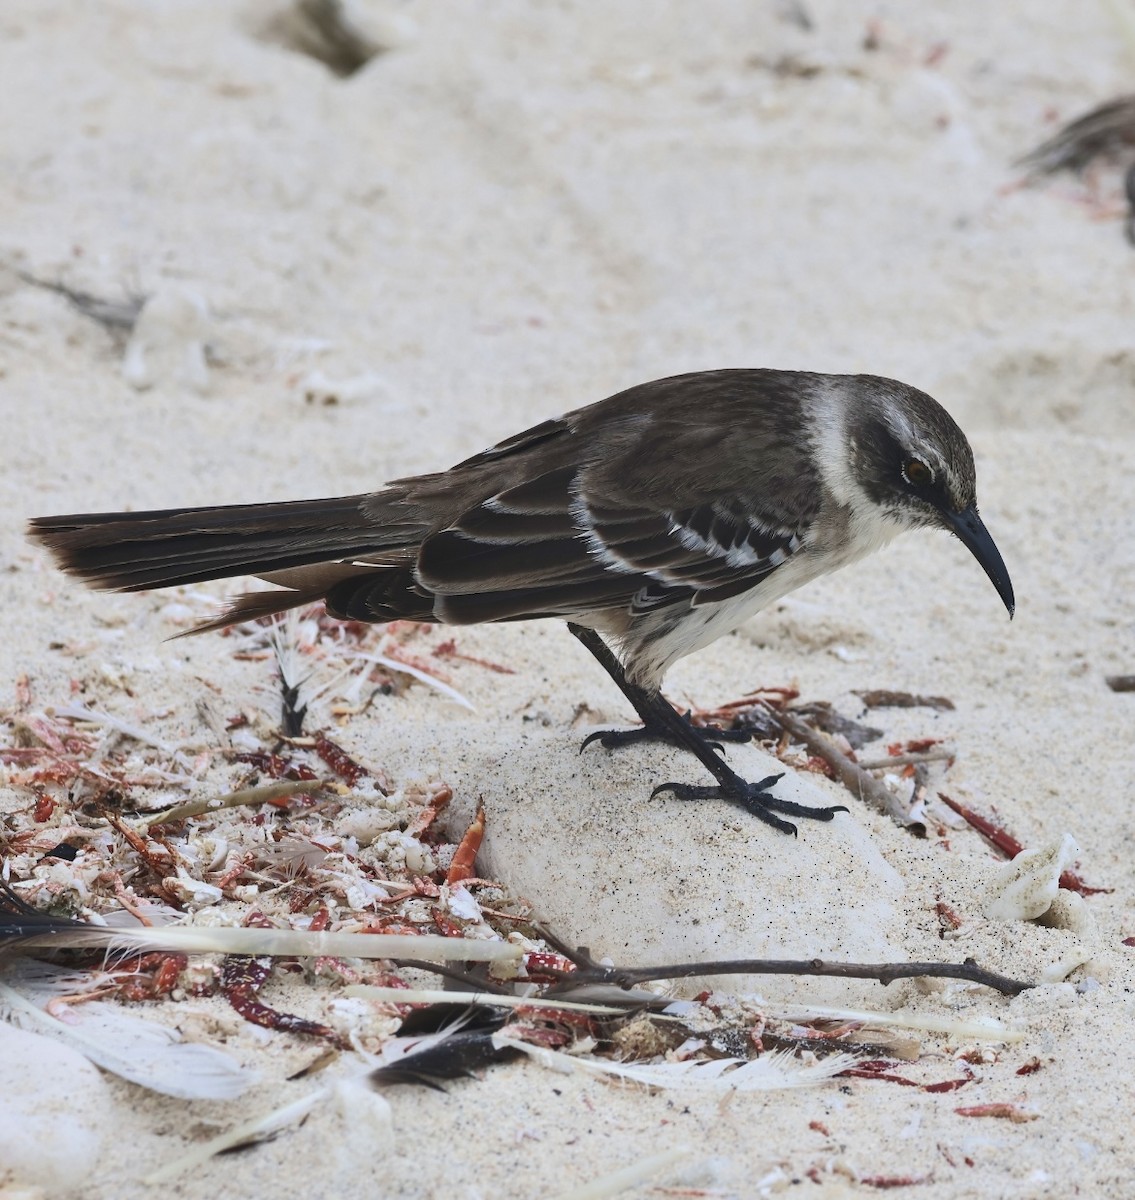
850,774
885,698
883,973
246,796
905,760
588,972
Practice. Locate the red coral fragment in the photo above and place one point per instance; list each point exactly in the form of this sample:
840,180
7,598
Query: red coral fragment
947,1085
461,868
448,649
339,760
878,1068
1006,1112
544,967
276,766
1010,847
242,977
150,976
425,818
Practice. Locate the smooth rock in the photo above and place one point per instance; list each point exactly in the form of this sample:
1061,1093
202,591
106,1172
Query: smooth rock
661,881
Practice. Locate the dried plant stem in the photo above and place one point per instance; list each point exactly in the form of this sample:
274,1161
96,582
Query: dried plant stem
246,796
905,760
884,973
850,774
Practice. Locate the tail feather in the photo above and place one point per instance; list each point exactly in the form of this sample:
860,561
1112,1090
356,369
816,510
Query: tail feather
132,551
251,606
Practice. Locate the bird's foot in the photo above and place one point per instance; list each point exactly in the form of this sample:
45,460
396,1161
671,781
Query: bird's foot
754,798
615,739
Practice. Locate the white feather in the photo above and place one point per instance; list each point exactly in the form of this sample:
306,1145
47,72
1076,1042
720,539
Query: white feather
253,1130
391,995
144,1052
300,943
770,1072
987,1029
393,664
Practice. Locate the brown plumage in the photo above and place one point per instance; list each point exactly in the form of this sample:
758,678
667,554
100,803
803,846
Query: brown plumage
661,517
1107,131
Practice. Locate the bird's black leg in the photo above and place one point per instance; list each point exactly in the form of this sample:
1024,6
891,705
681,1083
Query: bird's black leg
645,704
663,721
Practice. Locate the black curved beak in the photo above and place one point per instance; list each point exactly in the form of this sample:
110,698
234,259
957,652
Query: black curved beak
975,537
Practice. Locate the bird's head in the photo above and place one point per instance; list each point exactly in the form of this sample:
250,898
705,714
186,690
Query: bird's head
908,458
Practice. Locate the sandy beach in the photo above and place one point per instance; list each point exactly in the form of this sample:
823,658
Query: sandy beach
320,282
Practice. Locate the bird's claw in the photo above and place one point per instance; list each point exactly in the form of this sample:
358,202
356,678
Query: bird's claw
615,739
754,798
612,739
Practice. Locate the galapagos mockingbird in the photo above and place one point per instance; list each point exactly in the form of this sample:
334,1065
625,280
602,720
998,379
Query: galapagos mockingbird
659,518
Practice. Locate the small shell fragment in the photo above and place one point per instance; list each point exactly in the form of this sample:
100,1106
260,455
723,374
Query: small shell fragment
1026,887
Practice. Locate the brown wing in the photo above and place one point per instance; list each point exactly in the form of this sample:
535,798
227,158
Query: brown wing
545,547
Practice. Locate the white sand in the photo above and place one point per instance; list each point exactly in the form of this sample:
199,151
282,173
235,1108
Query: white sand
520,209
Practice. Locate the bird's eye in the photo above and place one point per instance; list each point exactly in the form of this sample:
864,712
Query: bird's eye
917,473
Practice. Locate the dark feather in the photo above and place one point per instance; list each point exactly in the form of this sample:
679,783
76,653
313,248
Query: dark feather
23,927
519,443
577,514
1105,131
458,1054
131,551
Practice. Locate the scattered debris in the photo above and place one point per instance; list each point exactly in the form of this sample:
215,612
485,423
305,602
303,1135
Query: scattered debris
851,774
340,761
1004,841
117,317
34,996
883,1069
1026,886
448,649
242,977
948,919
266,794
327,31
822,716
461,867
884,698
832,739
443,1041
887,1182
349,874
1007,1112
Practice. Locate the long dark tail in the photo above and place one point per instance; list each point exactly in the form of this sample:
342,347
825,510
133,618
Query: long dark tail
132,551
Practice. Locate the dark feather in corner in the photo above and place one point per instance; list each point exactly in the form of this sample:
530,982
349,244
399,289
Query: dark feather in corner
446,1055
19,923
